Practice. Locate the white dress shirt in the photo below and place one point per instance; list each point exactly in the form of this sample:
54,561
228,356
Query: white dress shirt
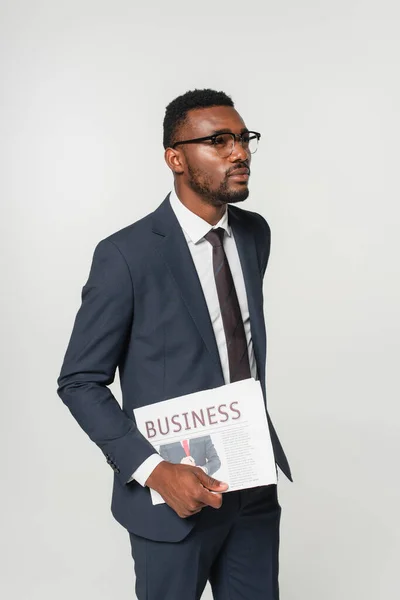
194,229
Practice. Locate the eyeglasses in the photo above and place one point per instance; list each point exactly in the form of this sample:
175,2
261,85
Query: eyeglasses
224,143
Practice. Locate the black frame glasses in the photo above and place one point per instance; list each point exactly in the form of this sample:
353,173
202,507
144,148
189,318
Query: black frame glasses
251,135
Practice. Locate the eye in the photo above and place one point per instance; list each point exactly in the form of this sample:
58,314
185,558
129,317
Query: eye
220,140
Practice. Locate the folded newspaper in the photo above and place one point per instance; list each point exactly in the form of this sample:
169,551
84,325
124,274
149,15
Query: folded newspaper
224,431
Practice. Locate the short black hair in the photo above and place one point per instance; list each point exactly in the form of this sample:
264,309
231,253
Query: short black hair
176,111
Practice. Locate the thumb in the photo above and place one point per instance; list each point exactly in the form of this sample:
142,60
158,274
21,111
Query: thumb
210,483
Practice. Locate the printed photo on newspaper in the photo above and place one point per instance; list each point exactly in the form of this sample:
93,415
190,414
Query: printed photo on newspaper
224,431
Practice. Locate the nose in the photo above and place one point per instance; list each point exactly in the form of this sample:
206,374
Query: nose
239,154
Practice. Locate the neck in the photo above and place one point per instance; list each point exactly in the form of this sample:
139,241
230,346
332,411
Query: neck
200,207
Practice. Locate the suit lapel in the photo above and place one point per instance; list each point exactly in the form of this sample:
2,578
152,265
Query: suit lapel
176,254
246,246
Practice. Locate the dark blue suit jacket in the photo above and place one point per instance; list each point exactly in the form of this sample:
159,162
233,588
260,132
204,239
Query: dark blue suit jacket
143,311
201,449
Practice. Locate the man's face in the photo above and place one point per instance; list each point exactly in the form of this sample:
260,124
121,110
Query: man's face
217,180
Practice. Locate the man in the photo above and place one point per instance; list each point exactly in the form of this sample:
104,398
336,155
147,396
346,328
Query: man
174,301
199,451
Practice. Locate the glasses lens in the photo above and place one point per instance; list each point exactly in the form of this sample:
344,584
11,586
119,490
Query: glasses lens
250,141
224,144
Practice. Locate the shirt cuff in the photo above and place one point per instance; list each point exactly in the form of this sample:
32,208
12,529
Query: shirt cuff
144,471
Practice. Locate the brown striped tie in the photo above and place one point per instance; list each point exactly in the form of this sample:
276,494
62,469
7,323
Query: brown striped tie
239,366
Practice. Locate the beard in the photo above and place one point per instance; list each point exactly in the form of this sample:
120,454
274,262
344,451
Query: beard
200,183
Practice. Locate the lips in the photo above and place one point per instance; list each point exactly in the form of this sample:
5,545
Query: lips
239,172
240,175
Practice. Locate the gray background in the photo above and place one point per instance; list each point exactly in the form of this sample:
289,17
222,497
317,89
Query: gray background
85,84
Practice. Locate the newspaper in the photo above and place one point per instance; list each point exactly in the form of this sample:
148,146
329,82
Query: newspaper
223,430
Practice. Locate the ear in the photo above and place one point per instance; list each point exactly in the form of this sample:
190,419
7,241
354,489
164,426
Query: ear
175,160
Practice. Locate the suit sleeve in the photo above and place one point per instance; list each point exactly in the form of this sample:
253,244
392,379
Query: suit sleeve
213,461
97,343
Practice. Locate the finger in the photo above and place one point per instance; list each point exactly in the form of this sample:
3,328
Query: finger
193,507
197,510
210,483
212,499
186,514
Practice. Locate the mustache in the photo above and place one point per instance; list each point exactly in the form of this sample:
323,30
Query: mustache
238,166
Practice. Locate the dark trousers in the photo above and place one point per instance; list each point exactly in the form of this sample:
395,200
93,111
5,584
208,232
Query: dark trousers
235,548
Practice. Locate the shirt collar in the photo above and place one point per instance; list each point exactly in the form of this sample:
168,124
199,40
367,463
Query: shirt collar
194,226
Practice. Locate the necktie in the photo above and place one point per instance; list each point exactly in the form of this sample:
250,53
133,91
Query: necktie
238,357
185,444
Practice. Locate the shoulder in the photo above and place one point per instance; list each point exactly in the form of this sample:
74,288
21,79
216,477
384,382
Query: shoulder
256,224
135,232
131,242
251,219
114,255
259,228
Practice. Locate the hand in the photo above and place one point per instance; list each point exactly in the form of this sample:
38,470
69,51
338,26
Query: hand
186,489
188,460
